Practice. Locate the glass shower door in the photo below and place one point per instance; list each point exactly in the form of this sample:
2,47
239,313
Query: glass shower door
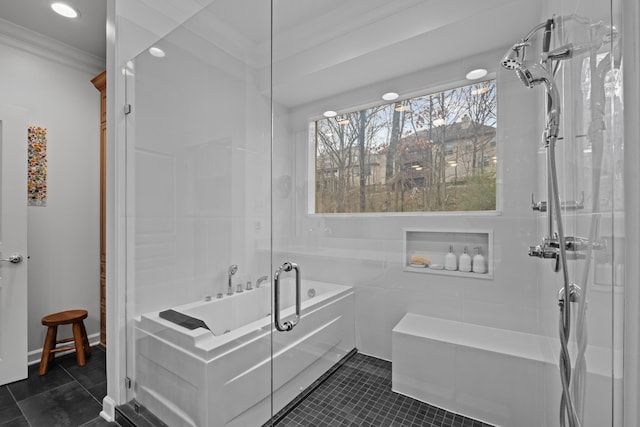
198,205
374,167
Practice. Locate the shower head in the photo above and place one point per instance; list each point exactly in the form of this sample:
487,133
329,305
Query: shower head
531,74
514,57
233,269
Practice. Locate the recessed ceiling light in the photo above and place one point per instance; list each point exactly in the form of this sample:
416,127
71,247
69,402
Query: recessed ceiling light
157,52
476,74
64,10
329,113
390,96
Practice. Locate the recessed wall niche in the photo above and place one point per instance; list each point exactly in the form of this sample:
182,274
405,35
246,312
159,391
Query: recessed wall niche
431,247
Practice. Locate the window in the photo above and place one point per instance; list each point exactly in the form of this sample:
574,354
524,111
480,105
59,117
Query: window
426,154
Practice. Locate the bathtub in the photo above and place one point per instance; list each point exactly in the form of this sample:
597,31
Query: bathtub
504,378
222,376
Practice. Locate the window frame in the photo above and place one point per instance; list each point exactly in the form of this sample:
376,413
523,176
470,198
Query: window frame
310,202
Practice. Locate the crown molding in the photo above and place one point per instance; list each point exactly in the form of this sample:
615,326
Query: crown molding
22,38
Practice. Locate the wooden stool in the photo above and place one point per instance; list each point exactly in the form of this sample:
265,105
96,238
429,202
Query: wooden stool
81,343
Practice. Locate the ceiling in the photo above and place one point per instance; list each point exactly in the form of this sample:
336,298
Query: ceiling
320,48
300,19
86,33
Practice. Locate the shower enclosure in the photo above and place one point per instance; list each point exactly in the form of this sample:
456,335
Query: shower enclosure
604,59
281,213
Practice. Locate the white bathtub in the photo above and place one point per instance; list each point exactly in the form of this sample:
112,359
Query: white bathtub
222,377
505,378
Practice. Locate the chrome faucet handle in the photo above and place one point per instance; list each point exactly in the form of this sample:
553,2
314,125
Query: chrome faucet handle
248,288
239,288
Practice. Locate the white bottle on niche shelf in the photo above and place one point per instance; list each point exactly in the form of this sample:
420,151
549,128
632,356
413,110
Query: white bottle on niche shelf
478,263
451,261
465,261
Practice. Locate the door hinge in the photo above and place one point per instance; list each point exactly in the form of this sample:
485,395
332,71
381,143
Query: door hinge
127,109
127,382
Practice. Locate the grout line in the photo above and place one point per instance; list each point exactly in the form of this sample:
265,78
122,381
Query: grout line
311,388
19,408
72,380
81,386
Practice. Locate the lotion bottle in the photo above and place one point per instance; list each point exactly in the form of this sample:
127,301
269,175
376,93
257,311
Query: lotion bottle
478,263
465,261
451,261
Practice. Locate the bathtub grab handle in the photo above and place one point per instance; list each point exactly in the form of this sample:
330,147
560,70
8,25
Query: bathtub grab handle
288,325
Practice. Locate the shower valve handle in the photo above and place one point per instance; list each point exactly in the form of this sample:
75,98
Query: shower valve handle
543,252
569,205
538,206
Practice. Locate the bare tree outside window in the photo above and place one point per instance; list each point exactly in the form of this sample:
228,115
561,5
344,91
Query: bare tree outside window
426,154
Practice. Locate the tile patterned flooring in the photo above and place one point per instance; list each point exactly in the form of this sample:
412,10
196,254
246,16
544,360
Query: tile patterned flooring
68,395
358,393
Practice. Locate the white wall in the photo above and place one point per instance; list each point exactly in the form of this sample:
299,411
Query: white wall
196,141
63,237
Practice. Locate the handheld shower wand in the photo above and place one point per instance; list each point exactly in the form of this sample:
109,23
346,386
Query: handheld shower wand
532,74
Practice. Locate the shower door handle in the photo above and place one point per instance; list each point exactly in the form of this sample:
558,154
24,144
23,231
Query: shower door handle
288,325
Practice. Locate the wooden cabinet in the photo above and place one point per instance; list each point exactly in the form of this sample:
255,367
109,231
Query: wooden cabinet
100,82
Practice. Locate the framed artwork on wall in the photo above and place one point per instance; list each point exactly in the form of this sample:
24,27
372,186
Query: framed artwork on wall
37,166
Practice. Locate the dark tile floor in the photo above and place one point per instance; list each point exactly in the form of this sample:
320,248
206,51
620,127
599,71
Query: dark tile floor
359,394
67,396
133,415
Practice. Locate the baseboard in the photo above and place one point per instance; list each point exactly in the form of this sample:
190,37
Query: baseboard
33,357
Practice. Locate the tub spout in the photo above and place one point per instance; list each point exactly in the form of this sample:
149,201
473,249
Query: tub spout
260,280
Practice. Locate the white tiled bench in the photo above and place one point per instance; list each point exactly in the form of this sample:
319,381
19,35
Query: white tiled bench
498,376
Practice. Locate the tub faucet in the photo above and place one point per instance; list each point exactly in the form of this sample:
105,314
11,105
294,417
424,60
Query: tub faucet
233,269
260,280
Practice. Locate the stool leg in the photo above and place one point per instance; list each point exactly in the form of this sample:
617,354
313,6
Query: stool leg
85,340
77,338
49,343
